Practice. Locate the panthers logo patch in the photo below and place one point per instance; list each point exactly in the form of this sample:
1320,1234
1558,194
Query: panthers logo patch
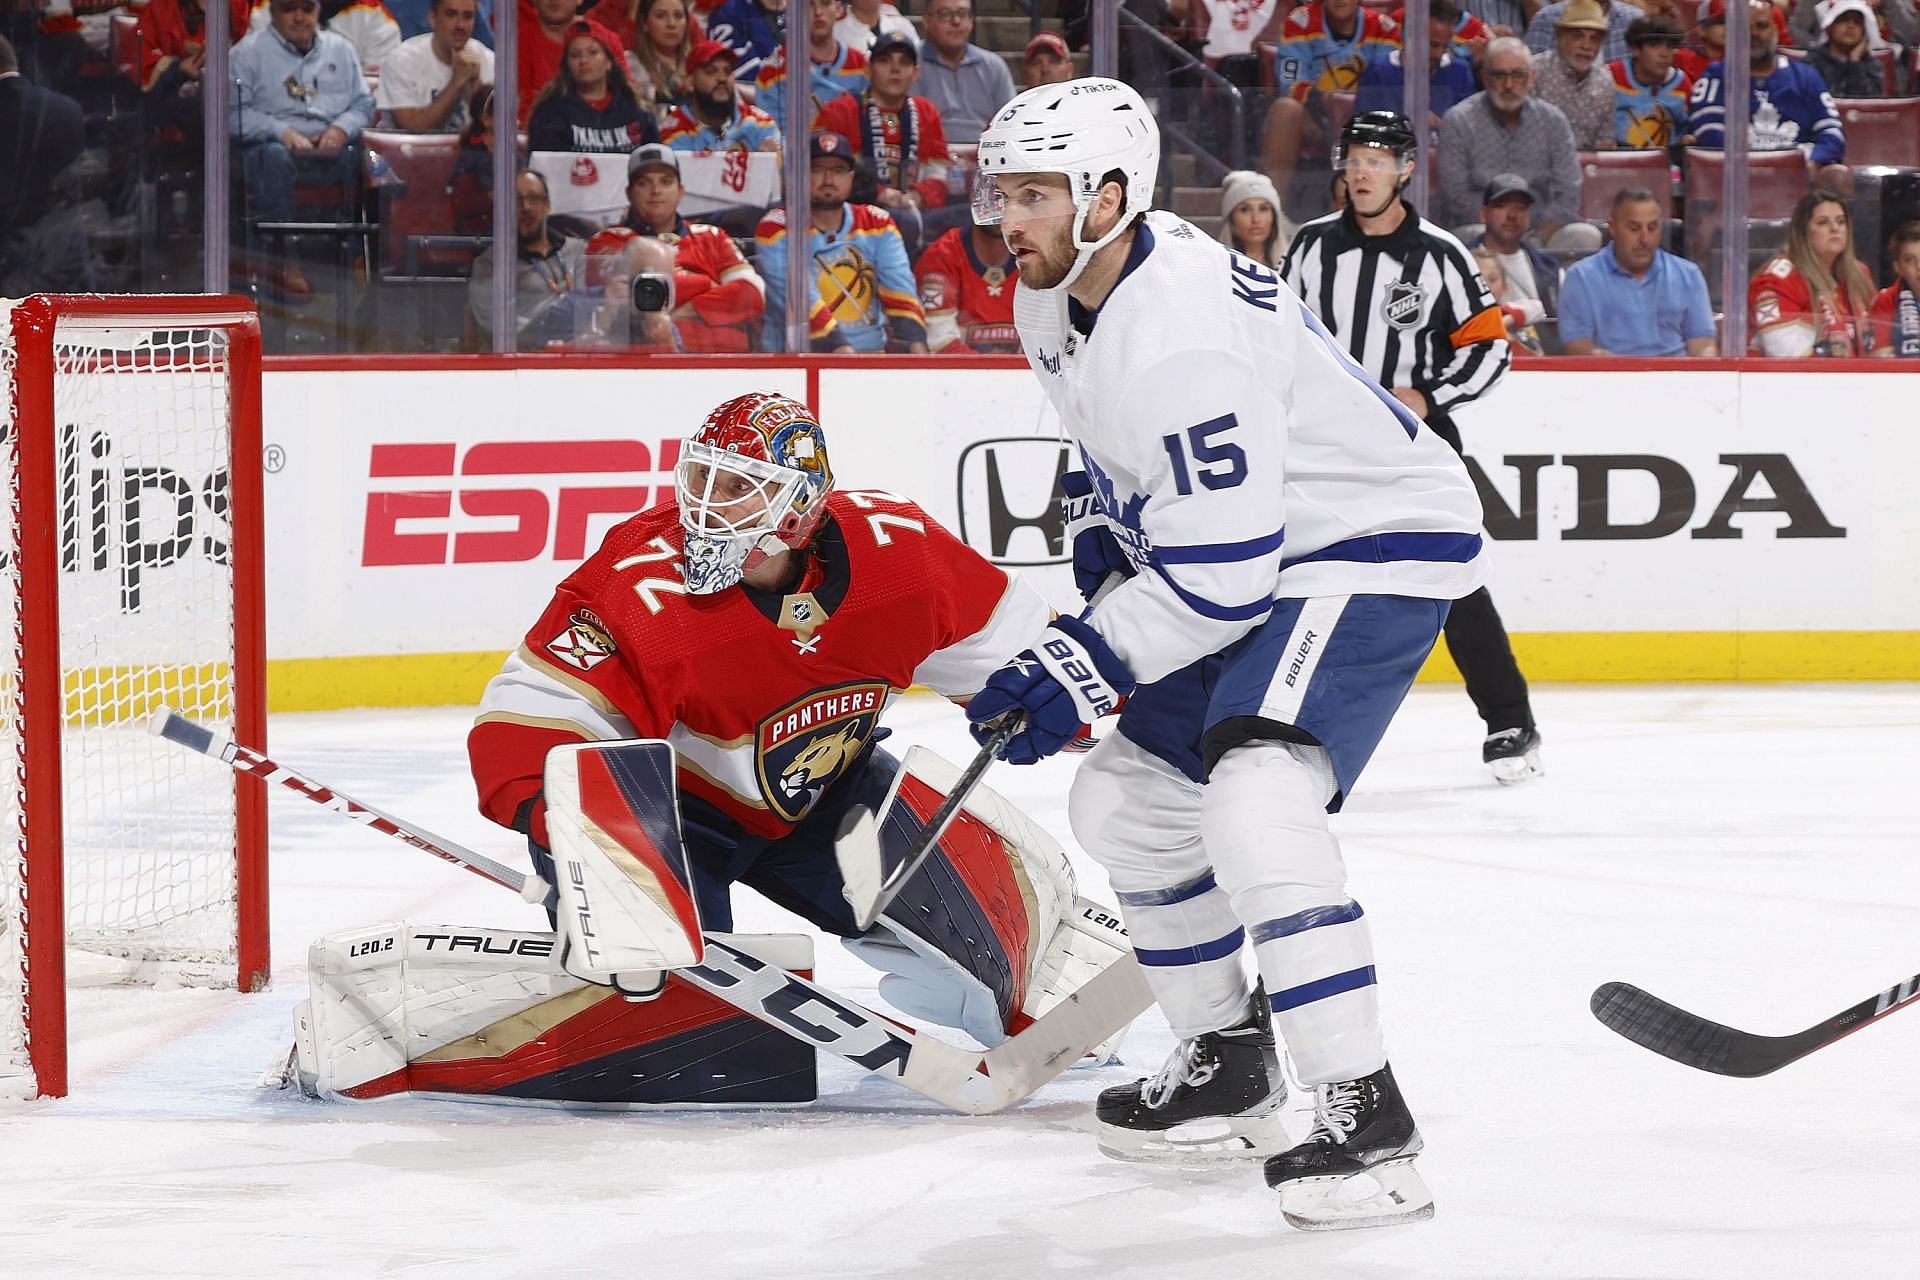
808,745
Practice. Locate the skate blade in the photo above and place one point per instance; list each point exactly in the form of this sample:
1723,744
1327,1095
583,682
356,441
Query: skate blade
1391,1192
1198,1142
1515,769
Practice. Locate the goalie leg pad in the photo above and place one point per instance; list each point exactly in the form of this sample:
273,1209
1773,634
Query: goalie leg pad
988,934
626,899
488,1014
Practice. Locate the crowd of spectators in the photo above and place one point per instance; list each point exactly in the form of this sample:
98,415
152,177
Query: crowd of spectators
1518,93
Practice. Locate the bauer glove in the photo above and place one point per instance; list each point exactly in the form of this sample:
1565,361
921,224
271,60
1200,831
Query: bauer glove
1068,679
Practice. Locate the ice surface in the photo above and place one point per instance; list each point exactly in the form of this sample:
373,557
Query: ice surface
1749,853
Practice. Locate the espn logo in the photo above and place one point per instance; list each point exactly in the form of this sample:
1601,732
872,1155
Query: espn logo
606,481
1009,500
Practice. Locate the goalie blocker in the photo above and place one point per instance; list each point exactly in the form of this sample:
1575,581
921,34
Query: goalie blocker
988,936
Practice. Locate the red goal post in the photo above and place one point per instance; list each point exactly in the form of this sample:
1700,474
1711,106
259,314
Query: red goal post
131,577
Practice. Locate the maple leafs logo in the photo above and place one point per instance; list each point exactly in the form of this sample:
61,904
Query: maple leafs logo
1123,516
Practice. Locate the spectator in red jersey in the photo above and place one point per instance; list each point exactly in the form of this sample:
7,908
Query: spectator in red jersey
897,133
966,282
1813,300
1896,311
590,105
1048,61
544,28
172,45
658,62
718,297
605,314
1468,36
1250,217
1844,60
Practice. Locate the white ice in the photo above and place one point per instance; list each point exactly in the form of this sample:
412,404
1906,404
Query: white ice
1749,853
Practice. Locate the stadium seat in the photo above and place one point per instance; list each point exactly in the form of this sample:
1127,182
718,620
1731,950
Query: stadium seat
1775,182
1888,70
1881,130
1604,173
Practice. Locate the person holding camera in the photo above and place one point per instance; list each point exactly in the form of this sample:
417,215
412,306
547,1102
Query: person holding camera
717,294
627,298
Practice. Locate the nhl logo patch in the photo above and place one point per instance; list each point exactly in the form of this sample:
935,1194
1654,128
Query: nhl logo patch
585,643
1403,304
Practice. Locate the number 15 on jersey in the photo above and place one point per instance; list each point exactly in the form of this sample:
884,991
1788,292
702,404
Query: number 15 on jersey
1222,464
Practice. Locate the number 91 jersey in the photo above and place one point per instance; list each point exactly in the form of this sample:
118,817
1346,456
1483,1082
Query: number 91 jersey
1238,453
766,698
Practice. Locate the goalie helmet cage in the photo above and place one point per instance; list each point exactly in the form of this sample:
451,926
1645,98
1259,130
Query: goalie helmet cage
131,577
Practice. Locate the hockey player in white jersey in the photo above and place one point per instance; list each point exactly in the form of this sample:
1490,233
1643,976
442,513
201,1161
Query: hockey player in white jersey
1285,539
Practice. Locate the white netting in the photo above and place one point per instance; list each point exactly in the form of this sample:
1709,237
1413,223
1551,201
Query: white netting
147,618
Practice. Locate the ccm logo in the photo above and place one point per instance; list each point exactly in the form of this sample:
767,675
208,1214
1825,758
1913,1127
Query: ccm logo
547,513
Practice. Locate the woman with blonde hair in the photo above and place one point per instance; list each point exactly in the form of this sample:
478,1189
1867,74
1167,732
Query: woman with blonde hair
1250,217
590,105
663,37
1813,299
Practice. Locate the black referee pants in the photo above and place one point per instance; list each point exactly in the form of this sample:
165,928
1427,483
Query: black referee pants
1477,642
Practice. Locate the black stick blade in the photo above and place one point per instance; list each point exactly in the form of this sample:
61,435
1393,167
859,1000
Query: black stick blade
1672,1032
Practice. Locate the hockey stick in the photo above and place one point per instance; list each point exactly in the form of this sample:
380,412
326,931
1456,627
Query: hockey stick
973,1081
869,886
1687,1038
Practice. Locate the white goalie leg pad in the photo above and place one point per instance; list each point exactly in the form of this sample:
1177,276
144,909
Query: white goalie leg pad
626,906
1264,820
1037,919
1140,819
489,1014
382,994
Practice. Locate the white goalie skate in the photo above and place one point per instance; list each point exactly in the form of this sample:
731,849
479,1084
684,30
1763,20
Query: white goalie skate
1356,1167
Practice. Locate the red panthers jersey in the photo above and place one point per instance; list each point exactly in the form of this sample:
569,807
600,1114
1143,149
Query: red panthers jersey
766,698
969,303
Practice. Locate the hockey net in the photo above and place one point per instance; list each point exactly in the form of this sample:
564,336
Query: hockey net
130,578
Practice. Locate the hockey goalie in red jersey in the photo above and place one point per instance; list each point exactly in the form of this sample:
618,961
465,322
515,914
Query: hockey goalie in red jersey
760,623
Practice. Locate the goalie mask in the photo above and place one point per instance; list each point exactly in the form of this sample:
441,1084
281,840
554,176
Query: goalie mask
752,482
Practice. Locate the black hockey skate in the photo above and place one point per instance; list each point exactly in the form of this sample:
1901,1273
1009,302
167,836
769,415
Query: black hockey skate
1218,1098
1356,1167
1514,755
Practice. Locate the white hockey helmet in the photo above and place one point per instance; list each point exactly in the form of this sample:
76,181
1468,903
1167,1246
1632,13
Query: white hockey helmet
1084,129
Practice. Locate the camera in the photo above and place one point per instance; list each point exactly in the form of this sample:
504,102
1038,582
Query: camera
652,291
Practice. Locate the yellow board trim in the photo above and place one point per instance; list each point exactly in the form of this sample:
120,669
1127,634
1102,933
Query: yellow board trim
457,679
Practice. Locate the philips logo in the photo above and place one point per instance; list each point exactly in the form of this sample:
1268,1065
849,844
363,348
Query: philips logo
1300,656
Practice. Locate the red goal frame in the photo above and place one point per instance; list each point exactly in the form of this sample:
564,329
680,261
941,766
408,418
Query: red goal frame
43,913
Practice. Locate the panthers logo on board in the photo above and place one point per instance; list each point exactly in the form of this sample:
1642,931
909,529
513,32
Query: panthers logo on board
808,745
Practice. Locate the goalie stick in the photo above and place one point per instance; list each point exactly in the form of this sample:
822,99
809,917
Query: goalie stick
868,885
1694,1041
973,1081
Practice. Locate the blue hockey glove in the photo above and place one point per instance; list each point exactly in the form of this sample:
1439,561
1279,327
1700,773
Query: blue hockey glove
1096,552
1068,679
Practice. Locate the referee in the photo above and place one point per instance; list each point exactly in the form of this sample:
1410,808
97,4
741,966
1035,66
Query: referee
1405,300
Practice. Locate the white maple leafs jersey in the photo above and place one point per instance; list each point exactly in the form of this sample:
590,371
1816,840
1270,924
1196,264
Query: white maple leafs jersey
1239,454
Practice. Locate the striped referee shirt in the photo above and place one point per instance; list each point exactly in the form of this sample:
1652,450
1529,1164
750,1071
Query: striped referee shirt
1409,306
